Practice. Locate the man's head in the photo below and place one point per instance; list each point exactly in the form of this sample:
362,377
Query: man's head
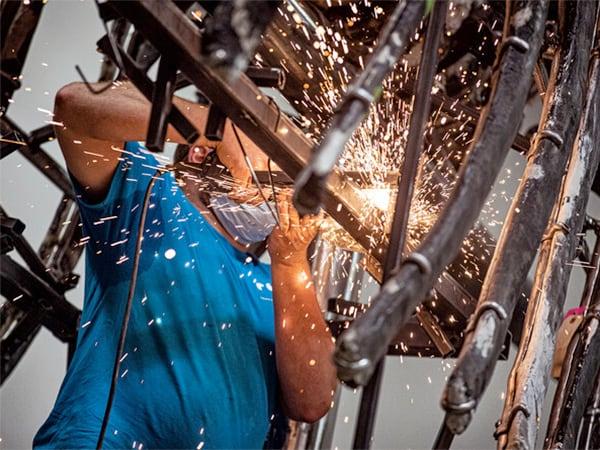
235,152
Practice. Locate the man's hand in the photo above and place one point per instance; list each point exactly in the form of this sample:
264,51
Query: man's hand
290,240
303,341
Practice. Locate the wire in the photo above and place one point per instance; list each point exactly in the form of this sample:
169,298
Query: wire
273,188
253,174
116,51
127,315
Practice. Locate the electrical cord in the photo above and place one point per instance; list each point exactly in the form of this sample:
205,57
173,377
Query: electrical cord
127,315
254,176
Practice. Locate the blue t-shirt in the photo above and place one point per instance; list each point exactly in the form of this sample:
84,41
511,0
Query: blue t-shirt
199,364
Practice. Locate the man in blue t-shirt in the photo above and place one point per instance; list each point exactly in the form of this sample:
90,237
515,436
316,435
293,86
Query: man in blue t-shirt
220,345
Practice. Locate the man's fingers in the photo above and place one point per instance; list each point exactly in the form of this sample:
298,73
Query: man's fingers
284,215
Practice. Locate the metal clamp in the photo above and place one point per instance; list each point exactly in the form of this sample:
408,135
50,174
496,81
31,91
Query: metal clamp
420,261
504,428
459,408
555,228
485,306
591,313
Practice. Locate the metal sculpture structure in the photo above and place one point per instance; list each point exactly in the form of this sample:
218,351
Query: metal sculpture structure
200,43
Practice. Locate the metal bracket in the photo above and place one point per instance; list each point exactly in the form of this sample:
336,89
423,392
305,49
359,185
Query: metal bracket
485,306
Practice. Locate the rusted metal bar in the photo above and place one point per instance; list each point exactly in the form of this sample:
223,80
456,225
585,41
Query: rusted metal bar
310,183
529,377
522,233
365,342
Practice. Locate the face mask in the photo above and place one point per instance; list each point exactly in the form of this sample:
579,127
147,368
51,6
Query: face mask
249,224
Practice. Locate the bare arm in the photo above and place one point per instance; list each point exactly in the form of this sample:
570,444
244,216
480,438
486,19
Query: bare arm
96,126
304,345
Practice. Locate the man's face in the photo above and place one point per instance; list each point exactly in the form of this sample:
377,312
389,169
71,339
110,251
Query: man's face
243,188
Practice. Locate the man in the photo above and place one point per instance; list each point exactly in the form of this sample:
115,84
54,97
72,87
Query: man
219,343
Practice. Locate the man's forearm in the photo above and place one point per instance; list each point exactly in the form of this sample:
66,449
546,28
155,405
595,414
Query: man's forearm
303,343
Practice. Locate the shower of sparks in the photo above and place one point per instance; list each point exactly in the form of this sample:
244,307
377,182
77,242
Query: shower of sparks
374,155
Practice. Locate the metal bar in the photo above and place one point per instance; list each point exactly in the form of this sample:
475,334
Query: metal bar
363,433
162,101
365,341
365,421
444,438
14,346
60,250
32,151
310,183
34,293
17,31
520,238
215,124
14,229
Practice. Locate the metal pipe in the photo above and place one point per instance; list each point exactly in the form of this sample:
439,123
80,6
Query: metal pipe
310,183
521,235
365,342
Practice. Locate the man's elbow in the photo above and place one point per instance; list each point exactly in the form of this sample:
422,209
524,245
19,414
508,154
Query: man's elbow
68,104
309,413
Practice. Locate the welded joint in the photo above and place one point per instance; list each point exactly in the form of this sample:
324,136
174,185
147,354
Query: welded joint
420,261
552,136
459,408
504,428
555,228
485,306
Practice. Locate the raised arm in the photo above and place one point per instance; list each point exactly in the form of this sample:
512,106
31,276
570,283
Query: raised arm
303,343
94,128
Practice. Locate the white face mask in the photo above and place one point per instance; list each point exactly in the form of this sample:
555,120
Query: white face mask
249,224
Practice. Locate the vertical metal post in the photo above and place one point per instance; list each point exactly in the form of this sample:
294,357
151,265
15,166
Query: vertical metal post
421,106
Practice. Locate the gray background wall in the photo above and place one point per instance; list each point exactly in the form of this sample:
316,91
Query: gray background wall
409,413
